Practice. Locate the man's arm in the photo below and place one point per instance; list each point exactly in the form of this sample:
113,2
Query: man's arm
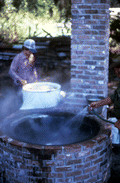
117,124
13,70
106,101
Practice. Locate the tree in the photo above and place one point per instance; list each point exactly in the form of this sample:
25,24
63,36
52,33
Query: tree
115,35
17,4
32,5
2,4
64,7
114,3
37,6
115,28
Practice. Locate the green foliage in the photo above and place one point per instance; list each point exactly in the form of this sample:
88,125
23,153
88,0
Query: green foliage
64,6
17,4
2,4
115,28
40,6
114,3
32,6
115,35
17,23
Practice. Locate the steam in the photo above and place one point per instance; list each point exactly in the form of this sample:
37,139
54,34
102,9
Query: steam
42,129
61,76
9,102
45,129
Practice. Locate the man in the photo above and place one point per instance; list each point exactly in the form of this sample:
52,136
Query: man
22,69
114,98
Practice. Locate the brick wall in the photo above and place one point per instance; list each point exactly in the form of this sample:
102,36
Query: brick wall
89,50
85,162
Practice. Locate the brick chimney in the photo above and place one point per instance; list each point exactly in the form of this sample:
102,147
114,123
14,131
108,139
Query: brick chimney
89,51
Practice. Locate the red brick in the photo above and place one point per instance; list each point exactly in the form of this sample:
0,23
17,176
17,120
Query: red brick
100,6
90,169
104,1
65,180
78,22
81,166
79,52
70,162
83,37
76,1
99,37
75,149
53,163
46,169
82,177
99,27
74,26
69,174
96,149
90,42
99,17
91,180
100,92
76,32
101,139
84,58
75,11
83,77
90,62
103,163
84,6
54,175
91,1
84,16
76,72
103,151
76,41
93,22
91,11
97,77
65,156
102,32
96,172
90,158
63,169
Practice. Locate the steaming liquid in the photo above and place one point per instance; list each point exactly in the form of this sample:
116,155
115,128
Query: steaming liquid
45,129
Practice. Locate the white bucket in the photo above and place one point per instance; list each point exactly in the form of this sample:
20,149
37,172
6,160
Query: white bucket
40,95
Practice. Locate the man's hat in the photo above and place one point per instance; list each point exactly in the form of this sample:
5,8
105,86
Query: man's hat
30,44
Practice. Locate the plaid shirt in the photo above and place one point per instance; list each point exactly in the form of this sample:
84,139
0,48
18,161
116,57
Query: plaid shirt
21,70
116,100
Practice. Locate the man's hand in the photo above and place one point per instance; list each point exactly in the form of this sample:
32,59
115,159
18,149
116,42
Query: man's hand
93,105
117,124
106,101
23,82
